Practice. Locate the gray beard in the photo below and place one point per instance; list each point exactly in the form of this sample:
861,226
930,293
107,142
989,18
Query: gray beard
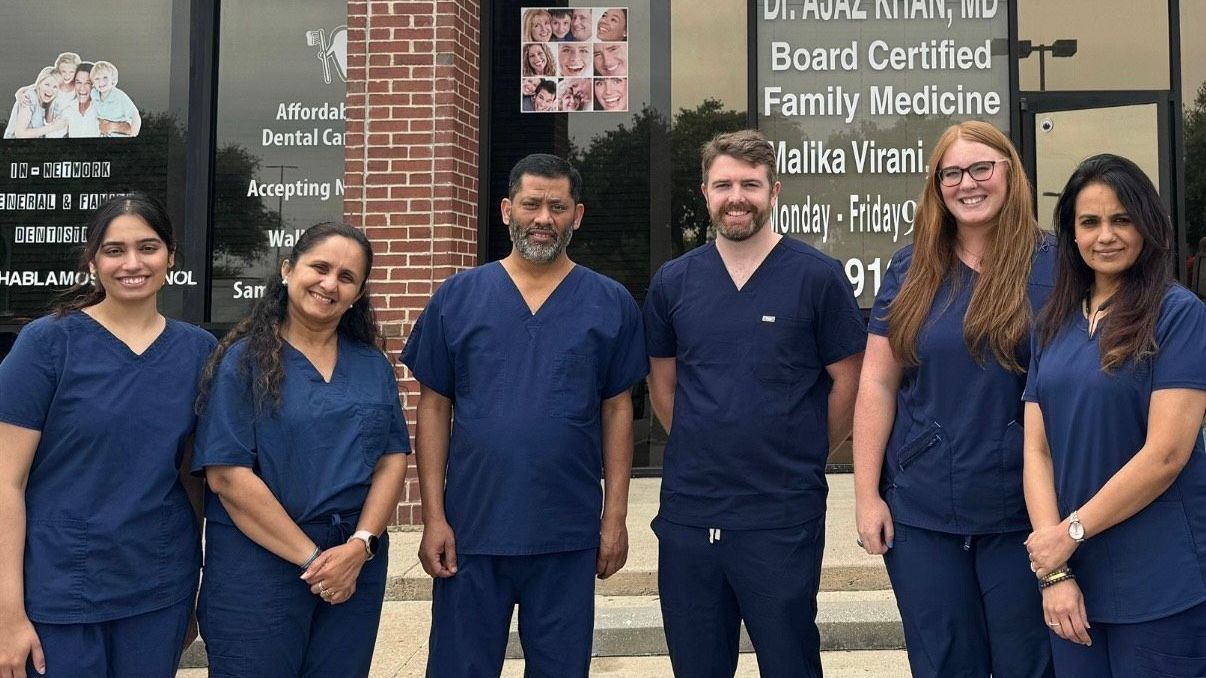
539,254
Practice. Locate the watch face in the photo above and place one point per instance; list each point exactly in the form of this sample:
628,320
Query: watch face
373,542
1076,531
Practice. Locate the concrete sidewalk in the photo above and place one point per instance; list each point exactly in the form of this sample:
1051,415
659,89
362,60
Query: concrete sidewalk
860,626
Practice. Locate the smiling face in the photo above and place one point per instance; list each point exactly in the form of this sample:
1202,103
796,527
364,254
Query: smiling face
67,71
325,281
574,95
83,84
611,59
613,25
561,26
546,97
739,195
574,59
611,94
971,202
132,261
540,26
580,25
1106,236
536,59
102,81
542,218
48,88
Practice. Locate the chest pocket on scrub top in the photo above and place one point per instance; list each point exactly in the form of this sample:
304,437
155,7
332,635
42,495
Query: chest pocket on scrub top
779,349
575,390
374,430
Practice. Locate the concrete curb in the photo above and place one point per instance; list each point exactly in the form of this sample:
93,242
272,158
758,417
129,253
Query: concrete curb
417,586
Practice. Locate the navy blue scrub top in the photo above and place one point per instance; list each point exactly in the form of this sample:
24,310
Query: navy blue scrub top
109,531
953,462
318,451
525,458
749,436
1152,564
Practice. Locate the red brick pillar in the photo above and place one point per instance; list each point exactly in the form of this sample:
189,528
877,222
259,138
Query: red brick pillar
411,154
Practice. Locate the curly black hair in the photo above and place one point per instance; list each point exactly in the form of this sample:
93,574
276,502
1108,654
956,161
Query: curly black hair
262,327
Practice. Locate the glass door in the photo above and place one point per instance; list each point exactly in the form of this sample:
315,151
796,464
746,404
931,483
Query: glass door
1058,131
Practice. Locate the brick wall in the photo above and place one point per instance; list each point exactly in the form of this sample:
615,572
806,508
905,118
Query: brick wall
411,159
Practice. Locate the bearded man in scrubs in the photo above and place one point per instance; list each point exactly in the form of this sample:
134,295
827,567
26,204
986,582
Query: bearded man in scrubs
755,345
524,367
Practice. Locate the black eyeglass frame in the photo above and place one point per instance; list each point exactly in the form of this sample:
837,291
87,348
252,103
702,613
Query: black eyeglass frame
992,167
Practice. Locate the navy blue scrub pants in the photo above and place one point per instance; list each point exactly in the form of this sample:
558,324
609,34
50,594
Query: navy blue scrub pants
1172,647
471,615
258,618
144,645
970,604
710,580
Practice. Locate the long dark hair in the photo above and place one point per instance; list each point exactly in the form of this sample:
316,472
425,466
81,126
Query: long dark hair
1128,331
88,293
262,327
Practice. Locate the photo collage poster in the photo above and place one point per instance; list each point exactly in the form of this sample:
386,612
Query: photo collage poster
86,117
573,59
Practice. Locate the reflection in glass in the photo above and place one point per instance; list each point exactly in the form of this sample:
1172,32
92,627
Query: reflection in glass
1193,79
1120,44
1063,139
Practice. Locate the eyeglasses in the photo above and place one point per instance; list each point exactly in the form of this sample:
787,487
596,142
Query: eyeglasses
979,171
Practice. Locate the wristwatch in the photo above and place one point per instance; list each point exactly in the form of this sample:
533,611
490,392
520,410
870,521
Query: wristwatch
371,542
1075,529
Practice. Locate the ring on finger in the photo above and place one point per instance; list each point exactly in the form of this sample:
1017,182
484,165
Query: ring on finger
1054,625
859,541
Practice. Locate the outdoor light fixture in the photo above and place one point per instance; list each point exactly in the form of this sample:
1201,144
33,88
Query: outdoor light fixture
1059,48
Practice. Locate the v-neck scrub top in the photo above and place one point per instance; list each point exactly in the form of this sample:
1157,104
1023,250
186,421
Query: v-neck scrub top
749,436
953,462
526,456
1152,564
109,530
318,451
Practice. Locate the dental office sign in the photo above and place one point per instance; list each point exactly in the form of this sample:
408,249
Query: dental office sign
282,82
853,94
86,116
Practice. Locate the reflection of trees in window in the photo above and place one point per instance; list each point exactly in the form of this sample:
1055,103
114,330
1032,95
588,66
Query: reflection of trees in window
692,129
241,222
1195,173
614,239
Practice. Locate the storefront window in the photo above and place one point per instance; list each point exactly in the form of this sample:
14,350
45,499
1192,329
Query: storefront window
87,114
1193,74
279,163
853,96
1085,45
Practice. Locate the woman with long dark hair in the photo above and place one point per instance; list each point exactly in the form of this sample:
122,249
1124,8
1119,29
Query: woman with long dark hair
1115,467
99,545
300,426
937,423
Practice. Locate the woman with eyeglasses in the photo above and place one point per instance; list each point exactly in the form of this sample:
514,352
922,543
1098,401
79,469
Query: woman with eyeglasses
938,420
1115,467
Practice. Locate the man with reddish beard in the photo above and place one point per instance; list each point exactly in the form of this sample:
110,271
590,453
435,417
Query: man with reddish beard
755,345
535,356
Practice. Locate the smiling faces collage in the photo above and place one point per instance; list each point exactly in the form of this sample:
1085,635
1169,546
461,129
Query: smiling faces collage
574,59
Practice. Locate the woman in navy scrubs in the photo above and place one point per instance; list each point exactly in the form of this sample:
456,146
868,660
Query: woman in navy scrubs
1115,467
937,424
298,439
99,546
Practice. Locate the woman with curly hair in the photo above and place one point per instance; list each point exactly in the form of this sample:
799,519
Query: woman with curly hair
1115,468
298,439
538,60
937,423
